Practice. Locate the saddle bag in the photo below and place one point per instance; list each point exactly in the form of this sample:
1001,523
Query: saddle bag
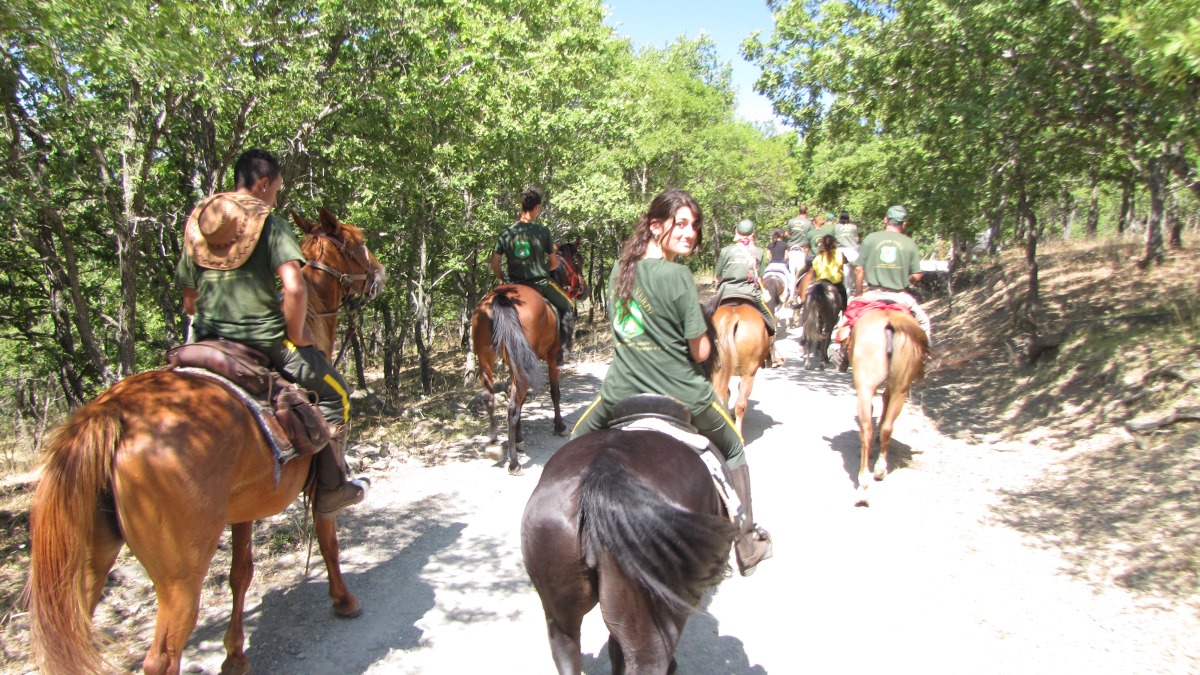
296,410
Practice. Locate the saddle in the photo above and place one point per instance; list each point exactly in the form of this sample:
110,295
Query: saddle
667,415
292,424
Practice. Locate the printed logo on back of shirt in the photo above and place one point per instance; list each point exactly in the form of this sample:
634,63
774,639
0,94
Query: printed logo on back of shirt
889,254
630,323
521,248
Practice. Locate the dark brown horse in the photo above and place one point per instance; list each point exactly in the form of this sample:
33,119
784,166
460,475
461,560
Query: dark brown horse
516,321
631,520
161,462
822,305
742,345
886,348
569,273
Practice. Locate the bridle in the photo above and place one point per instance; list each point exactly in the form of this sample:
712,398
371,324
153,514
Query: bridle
358,288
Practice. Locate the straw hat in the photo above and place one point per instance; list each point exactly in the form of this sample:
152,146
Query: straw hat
223,230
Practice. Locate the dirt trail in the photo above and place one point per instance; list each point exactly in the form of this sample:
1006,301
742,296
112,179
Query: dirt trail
928,579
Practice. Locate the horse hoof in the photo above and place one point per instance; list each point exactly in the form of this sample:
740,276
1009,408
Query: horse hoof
862,501
347,609
239,665
515,470
880,474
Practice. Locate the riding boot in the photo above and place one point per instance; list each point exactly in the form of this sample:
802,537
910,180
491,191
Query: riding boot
753,543
334,491
805,282
566,338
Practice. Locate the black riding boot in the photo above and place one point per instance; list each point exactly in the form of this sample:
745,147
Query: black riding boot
334,491
753,544
566,337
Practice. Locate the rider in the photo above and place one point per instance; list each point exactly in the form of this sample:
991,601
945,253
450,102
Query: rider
890,263
823,227
847,242
661,339
798,228
530,253
737,271
234,248
829,264
778,262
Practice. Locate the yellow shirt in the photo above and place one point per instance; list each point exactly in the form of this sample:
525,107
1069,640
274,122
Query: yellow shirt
829,267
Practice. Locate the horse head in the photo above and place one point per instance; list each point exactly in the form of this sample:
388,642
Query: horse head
340,250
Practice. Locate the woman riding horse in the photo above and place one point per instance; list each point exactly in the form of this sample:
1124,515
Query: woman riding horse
661,339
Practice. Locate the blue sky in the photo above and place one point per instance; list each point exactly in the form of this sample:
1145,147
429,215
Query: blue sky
659,22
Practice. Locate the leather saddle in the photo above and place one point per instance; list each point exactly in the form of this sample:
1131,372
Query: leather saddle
295,424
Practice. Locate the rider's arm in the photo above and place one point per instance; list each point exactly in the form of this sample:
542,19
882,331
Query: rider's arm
295,302
859,274
699,348
495,265
189,301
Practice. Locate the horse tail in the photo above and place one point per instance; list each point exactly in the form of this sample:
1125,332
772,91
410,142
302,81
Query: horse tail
907,345
507,334
672,553
76,474
727,343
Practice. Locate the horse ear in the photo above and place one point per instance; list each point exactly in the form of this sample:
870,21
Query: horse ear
303,223
328,220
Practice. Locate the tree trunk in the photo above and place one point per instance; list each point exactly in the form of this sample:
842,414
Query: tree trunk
1093,214
997,222
1154,238
1126,206
423,354
1174,224
391,353
356,347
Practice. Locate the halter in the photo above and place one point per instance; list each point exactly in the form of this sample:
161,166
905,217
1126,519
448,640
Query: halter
357,289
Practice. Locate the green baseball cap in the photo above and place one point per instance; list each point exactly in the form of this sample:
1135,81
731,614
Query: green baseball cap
898,213
745,227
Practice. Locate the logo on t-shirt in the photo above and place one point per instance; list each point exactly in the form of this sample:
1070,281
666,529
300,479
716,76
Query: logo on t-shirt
889,254
521,248
630,323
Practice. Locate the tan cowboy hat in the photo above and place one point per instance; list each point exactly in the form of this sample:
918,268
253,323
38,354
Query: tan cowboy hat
223,230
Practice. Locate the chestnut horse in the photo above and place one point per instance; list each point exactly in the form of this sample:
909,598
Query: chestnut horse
629,519
742,345
162,461
775,284
886,348
516,321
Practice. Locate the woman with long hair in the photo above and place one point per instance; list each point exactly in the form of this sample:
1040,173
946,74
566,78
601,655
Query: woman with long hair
660,339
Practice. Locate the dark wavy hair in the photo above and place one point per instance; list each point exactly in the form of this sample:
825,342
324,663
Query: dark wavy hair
254,165
663,208
530,199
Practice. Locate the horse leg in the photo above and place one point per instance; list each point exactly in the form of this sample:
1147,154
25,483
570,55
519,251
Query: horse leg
865,400
640,646
743,400
240,573
516,401
106,544
345,604
892,403
560,427
721,381
487,374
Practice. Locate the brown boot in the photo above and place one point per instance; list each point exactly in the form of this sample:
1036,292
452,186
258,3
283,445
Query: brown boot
334,491
753,544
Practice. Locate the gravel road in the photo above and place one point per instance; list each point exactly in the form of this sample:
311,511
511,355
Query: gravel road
927,579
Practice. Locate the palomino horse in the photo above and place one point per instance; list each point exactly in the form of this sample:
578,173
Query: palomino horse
888,348
629,519
742,345
822,304
516,321
161,462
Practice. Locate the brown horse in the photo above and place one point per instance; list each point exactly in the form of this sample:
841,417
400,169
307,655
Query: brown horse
516,321
629,519
886,348
775,284
162,461
742,345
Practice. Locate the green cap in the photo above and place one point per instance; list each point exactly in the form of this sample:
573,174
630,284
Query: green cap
897,214
745,227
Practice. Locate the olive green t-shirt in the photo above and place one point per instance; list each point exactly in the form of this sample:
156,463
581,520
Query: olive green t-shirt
242,304
651,337
888,258
735,266
798,228
525,246
816,235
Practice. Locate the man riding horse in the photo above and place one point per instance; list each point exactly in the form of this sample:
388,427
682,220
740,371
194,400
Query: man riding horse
890,263
737,274
234,248
530,255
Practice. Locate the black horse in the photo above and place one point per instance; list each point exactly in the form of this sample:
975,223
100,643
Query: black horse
822,304
629,519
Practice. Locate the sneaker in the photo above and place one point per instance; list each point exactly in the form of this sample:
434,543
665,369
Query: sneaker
331,502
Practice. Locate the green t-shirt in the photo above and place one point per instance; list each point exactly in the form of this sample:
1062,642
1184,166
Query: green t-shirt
243,304
651,337
815,236
888,258
526,247
736,266
798,228
847,235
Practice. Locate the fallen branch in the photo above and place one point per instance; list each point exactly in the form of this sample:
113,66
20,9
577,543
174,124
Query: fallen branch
1177,415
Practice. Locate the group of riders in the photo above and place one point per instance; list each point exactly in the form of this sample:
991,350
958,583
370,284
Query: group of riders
235,249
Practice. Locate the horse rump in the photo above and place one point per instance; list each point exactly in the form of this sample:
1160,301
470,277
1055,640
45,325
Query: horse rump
675,554
508,336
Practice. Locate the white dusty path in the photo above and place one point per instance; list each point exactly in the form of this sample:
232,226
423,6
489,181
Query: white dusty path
928,579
